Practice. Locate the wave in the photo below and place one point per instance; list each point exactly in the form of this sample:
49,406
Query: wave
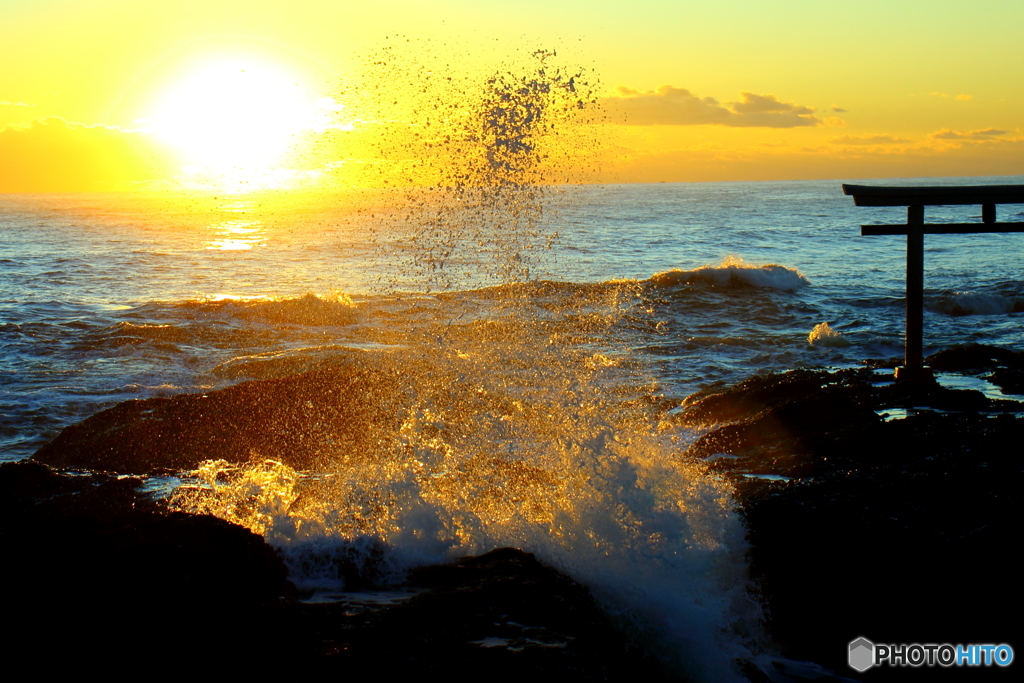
308,309
978,303
163,332
277,364
735,272
126,337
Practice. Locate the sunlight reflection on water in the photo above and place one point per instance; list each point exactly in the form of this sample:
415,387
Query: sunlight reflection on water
237,235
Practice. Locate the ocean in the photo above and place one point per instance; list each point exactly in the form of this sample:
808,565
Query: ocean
542,357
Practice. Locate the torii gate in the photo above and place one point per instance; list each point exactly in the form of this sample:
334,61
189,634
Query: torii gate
915,199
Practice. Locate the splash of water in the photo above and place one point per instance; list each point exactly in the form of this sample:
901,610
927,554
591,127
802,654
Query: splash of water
516,424
476,155
541,451
253,497
824,335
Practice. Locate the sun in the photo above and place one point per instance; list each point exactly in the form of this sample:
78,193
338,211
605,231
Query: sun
236,117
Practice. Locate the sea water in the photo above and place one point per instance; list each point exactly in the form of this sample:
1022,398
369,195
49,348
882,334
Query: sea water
536,413
105,297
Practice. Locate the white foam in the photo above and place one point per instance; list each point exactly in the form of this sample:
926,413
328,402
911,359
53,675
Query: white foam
824,335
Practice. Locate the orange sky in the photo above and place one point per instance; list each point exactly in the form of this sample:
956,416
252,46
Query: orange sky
111,94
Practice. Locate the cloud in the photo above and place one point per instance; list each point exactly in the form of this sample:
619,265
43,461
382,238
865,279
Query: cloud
5,103
53,155
985,135
837,109
672,106
668,106
963,98
937,141
869,140
763,104
834,122
694,163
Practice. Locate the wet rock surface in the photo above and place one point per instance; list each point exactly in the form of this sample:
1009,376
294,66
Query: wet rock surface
92,569
898,530
503,613
293,420
97,535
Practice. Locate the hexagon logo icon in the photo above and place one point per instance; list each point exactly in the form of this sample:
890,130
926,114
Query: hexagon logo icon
862,654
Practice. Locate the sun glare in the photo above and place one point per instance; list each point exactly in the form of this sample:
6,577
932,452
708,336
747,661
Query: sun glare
237,118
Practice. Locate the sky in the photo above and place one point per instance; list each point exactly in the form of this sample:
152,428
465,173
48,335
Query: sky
118,94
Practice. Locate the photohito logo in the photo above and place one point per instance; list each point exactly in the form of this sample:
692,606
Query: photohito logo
863,654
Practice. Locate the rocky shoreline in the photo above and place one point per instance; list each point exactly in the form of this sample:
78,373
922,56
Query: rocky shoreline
98,571
899,530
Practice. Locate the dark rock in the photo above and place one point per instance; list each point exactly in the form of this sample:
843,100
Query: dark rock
95,575
91,565
1009,380
97,534
760,392
503,614
296,420
893,530
782,434
975,357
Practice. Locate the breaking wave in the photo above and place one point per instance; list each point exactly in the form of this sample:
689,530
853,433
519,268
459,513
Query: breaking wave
735,272
309,309
501,447
978,303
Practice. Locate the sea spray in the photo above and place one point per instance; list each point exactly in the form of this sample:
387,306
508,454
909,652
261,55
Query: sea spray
824,335
513,426
475,154
253,497
533,451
